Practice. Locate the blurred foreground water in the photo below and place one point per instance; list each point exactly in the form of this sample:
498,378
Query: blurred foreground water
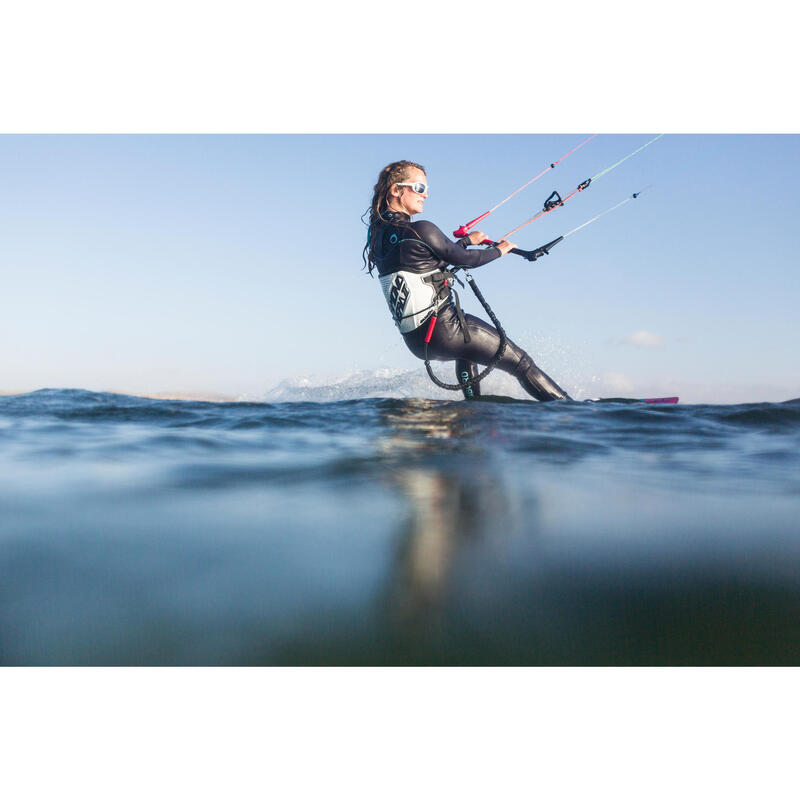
397,531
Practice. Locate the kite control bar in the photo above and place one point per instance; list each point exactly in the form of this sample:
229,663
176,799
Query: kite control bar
530,255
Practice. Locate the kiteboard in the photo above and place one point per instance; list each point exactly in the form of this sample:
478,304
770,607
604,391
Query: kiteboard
499,398
652,400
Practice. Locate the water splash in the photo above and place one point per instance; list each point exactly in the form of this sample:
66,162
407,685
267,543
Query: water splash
393,383
408,383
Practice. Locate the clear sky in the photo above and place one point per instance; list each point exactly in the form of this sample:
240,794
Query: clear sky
225,264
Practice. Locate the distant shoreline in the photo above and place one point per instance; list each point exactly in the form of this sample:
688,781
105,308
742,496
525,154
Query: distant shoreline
197,397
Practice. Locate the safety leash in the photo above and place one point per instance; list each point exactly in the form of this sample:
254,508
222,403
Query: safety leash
501,350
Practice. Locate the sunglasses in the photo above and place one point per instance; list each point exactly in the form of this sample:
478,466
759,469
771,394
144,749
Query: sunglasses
418,187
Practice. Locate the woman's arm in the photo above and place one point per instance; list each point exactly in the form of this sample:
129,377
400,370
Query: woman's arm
452,253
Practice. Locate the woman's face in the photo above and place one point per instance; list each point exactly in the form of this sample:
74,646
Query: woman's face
406,198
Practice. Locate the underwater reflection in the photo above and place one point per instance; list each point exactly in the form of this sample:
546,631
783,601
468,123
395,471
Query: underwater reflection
457,504
450,518
418,425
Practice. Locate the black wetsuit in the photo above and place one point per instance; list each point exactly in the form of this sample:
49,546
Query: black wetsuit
419,247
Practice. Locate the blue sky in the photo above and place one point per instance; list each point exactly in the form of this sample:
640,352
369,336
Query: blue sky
225,264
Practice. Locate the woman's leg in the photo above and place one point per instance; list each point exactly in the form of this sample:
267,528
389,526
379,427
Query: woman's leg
448,343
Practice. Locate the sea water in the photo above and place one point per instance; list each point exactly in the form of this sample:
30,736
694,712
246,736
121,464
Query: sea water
397,531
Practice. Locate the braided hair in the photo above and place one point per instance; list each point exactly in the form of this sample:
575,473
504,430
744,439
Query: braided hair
396,172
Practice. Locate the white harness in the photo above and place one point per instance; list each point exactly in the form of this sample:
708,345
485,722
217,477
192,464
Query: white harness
412,299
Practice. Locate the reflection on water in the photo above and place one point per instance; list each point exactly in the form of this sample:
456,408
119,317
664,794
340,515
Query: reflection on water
448,513
455,502
441,511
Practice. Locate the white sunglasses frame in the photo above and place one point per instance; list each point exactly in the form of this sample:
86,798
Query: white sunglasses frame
416,183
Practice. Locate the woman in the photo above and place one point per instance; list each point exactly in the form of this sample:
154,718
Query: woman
412,259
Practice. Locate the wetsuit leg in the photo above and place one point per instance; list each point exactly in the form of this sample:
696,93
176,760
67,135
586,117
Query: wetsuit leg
447,344
464,371
483,345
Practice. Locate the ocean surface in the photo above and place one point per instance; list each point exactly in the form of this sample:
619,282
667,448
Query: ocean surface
397,531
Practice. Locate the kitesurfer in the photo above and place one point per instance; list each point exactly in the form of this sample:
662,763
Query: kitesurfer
413,261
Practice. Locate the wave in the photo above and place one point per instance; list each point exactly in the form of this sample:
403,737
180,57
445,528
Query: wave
367,386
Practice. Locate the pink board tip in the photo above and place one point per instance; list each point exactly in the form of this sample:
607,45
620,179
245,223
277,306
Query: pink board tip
664,400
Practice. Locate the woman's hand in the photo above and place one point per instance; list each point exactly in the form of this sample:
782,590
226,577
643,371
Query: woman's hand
505,247
477,237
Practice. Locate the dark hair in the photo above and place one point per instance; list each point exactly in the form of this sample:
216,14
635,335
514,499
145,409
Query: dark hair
391,174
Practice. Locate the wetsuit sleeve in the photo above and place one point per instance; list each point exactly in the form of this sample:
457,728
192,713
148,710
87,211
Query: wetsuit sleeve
447,250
